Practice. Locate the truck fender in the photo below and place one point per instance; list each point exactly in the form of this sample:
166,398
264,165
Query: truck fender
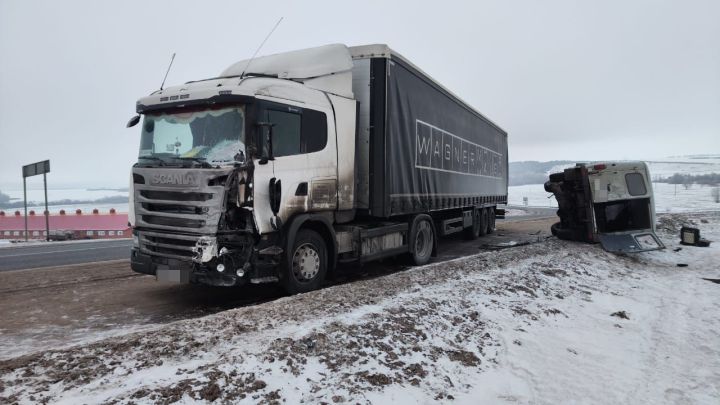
294,224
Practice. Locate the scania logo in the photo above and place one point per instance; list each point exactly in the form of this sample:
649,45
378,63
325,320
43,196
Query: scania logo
174,179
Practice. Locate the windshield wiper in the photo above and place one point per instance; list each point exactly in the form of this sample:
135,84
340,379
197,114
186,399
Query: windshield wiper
200,160
155,158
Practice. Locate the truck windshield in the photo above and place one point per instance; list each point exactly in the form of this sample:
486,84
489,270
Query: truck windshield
215,136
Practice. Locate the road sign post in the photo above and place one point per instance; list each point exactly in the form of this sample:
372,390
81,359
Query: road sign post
34,169
25,200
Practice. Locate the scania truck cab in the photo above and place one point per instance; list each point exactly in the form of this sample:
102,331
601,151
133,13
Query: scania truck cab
276,170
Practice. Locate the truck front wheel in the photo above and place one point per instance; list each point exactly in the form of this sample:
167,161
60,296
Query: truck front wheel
306,263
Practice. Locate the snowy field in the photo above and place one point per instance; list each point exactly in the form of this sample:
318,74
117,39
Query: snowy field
548,323
666,167
70,208
38,196
668,197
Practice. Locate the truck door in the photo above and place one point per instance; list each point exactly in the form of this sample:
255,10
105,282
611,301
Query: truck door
305,162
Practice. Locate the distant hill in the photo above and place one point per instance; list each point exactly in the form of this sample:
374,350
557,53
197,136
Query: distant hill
532,172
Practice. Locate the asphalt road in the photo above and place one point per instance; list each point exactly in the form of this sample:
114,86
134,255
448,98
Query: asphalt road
65,253
60,254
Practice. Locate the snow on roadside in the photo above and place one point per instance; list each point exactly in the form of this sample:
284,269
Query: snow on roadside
531,324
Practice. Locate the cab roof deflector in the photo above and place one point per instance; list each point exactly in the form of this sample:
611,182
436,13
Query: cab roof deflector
302,64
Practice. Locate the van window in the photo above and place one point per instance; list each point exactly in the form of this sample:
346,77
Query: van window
635,184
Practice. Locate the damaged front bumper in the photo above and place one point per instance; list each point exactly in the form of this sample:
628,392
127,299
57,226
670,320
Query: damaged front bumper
221,260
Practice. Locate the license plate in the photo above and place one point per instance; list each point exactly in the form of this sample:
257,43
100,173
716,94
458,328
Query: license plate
173,276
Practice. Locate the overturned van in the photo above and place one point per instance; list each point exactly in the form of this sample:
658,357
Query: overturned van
611,203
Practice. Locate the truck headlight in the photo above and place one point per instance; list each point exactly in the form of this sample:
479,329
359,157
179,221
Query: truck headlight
136,241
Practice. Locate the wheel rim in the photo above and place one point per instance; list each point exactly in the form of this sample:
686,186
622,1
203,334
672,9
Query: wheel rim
423,240
306,263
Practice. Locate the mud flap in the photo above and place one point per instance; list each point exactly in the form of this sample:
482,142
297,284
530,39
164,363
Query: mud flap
630,242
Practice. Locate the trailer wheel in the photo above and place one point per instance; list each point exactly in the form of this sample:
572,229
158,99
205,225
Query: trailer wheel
422,240
472,232
484,219
491,220
305,264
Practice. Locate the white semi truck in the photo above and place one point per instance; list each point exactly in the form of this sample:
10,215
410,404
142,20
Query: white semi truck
285,165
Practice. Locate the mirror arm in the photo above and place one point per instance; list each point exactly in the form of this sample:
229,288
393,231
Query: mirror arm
133,121
270,156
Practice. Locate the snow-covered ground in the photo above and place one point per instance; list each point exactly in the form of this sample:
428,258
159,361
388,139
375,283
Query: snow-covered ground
553,322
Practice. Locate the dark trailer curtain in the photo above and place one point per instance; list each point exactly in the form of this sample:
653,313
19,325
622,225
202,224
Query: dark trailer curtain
440,154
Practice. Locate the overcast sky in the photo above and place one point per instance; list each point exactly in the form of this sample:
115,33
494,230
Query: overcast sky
575,80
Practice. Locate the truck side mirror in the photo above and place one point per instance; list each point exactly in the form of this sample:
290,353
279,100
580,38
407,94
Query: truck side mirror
267,153
133,121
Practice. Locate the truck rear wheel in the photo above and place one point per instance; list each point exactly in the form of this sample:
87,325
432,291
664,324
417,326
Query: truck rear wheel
422,240
305,264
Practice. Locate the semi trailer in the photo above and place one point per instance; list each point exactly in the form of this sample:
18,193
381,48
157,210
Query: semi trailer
285,165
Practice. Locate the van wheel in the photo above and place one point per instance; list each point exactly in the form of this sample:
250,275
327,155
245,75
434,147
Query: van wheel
422,240
561,233
472,232
305,264
491,220
549,186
